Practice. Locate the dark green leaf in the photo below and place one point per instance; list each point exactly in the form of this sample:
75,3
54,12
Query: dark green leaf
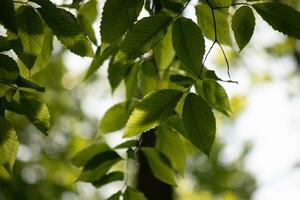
8,145
115,196
111,177
133,194
116,73
281,17
181,80
66,27
31,33
87,14
216,96
169,142
188,43
158,167
144,35
151,111
98,166
4,44
206,23
7,15
199,122
22,82
9,70
99,58
118,17
243,22
37,112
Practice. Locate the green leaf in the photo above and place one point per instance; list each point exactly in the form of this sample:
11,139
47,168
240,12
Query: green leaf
221,3
181,80
4,44
37,112
169,142
87,14
206,23
31,33
188,43
281,17
9,70
22,82
158,167
243,22
199,122
99,59
98,166
163,52
216,96
127,144
151,111
8,145
144,35
66,27
118,17
111,177
82,157
47,47
148,77
7,15
133,194
115,196
116,73
131,81
115,118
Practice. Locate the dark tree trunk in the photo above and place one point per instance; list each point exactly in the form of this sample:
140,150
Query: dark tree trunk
153,188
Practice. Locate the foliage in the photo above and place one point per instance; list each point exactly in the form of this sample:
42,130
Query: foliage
136,52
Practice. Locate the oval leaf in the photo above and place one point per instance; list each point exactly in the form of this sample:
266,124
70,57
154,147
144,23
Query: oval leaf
37,113
66,27
158,167
31,33
133,194
188,43
151,111
199,122
144,35
9,70
281,17
8,145
243,22
118,17
216,96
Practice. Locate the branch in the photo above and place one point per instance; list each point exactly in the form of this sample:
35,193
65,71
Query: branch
181,11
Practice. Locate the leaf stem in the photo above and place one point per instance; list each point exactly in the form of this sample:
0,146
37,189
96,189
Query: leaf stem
184,7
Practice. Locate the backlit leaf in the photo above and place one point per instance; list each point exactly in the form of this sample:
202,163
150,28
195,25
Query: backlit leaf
151,111
144,35
206,23
188,43
8,145
31,33
281,17
199,122
243,22
118,17
37,113
158,167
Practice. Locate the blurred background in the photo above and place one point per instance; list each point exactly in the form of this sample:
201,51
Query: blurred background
256,156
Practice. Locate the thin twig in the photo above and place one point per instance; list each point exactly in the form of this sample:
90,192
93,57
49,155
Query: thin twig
184,7
226,60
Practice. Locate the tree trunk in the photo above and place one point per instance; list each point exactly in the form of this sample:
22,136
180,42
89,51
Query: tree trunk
153,188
